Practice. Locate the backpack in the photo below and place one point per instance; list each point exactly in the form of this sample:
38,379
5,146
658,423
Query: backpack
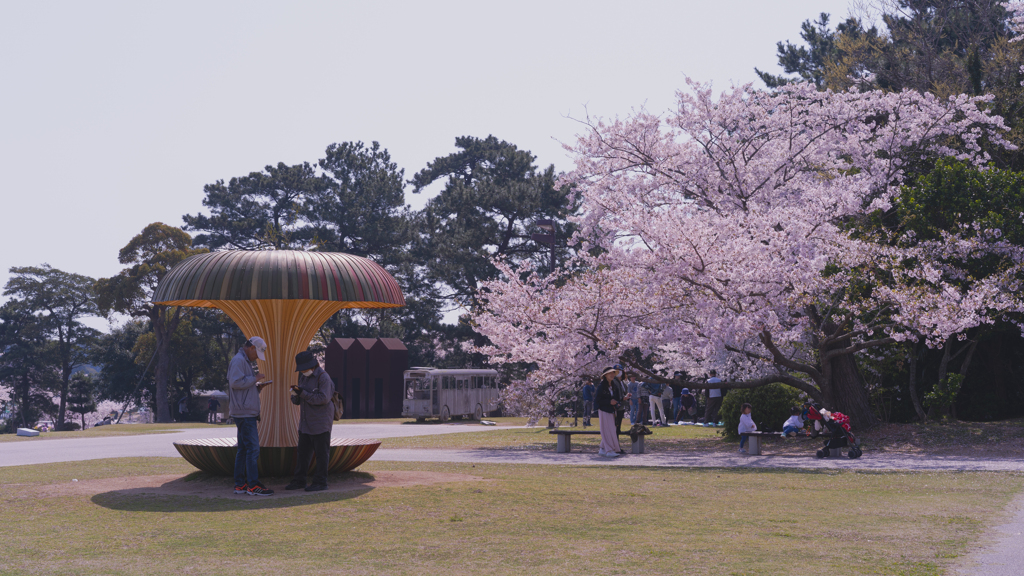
339,405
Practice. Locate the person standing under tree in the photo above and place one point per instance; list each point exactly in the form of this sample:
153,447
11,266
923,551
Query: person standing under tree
666,403
633,388
657,407
677,395
714,401
608,398
211,414
244,387
316,418
645,402
588,400
620,408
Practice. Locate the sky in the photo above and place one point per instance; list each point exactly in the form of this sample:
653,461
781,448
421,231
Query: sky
114,115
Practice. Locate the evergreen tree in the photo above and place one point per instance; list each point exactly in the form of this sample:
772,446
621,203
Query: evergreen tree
150,256
61,300
258,211
81,395
27,361
493,194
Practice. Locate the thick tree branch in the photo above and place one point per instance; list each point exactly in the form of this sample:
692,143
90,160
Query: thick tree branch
856,348
782,360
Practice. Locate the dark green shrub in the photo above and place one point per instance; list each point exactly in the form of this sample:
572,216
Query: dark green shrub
771,405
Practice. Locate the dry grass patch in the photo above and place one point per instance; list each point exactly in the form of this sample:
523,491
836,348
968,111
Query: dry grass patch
521,520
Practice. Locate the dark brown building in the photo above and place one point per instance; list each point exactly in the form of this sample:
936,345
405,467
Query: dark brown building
368,374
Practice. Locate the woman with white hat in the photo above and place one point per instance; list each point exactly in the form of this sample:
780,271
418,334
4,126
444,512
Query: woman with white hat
608,398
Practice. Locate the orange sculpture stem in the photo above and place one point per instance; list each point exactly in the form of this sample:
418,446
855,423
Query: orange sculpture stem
288,326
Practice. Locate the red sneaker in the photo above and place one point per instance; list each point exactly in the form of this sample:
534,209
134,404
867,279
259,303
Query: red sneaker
241,489
258,489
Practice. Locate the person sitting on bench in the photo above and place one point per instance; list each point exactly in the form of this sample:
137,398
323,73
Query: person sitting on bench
746,425
795,424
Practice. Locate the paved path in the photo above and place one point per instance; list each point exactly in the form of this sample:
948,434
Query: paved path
866,462
42,450
1002,553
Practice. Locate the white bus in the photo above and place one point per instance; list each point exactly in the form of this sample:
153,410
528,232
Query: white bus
444,394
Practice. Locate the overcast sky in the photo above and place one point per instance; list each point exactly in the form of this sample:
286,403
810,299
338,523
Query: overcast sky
114,115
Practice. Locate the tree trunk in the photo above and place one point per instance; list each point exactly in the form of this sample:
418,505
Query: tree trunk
845,391
163,327
162,377
914,352
24,403
63,406
963,372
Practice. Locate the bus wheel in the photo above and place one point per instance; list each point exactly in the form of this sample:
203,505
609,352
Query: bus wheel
478,414
445,414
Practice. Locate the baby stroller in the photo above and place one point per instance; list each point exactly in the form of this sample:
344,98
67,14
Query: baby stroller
837,427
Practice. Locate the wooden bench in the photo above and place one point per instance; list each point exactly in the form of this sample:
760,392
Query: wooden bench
565,440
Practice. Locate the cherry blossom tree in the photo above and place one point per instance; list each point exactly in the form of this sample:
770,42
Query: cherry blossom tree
728,234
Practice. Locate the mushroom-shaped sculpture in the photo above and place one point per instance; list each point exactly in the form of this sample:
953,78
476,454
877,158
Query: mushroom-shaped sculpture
283,296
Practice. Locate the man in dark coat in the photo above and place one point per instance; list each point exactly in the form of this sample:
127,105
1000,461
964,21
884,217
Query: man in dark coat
316,417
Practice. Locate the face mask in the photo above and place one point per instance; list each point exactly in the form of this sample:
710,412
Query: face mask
307,372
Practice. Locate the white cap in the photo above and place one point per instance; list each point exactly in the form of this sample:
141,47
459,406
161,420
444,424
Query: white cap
261,346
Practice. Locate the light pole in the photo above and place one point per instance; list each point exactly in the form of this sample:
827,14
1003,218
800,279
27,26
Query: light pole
551,227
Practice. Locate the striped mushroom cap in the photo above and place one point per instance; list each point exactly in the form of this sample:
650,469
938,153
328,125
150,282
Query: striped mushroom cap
204,279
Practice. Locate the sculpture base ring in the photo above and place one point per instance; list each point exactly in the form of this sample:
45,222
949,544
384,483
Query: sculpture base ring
217,456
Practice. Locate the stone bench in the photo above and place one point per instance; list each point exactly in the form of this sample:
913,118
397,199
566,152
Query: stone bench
565,440
754,441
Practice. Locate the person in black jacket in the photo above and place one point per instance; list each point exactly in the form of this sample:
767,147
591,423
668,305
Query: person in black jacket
609,398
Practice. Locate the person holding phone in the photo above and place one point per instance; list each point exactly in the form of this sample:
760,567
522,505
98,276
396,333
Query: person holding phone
312,394
244,386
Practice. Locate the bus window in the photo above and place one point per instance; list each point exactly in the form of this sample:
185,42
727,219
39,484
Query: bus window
473,382
417,388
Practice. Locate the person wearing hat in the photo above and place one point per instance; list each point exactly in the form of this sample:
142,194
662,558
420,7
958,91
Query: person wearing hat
687,406
244,386
312,394
609,397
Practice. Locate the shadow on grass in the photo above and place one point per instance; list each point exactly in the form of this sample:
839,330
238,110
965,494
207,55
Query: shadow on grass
203,492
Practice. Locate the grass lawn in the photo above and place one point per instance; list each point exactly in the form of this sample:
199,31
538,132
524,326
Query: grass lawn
519,520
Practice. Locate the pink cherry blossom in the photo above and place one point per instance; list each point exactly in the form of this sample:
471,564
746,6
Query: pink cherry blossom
717,236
